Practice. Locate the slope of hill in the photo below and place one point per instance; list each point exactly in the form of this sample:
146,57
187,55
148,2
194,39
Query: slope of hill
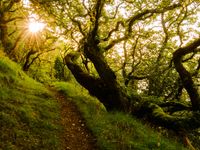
28,114
116,130
30,117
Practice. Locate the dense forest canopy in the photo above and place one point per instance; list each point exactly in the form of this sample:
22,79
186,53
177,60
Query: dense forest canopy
137,39
140,57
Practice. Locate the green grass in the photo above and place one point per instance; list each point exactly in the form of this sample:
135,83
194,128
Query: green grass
29,117
28,114
115,130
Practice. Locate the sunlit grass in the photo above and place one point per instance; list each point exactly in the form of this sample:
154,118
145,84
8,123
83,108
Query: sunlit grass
115,130
28,114
29,117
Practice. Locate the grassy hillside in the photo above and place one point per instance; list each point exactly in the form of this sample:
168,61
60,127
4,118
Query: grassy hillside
29,117
115,131
28,114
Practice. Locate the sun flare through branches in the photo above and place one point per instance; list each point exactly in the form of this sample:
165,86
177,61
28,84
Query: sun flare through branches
35,26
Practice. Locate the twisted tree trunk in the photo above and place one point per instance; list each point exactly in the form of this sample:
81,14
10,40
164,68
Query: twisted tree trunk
185,76
114,97
108,92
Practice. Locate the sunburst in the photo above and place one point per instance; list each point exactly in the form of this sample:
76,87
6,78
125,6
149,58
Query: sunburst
35,26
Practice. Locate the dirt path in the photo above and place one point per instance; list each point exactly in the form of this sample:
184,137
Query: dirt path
75,135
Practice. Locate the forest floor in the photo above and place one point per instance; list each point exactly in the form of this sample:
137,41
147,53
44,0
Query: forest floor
75,134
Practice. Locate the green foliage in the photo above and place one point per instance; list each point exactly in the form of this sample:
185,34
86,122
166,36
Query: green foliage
28,114
115,130
42,72
144,51
59,69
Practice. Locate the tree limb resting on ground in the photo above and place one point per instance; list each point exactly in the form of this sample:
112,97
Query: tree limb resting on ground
149,109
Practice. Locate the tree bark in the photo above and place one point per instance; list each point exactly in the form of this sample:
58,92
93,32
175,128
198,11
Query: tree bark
4,33
107,94
27,63
108,90
154,112
185,76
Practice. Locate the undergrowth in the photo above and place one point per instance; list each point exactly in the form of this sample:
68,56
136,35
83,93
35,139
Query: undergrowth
115,130
28,114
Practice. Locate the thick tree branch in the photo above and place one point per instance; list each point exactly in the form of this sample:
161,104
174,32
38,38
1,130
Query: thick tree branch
13,19
177,123
78,23
96,86
114,30
97,14
141,15
185,75
114,42
173,106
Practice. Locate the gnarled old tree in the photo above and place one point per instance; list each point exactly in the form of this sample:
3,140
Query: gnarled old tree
185,75
98,29
7,9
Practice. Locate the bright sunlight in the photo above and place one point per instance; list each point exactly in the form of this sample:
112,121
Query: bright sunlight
35,26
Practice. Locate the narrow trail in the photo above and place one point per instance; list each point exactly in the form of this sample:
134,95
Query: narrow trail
75,134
